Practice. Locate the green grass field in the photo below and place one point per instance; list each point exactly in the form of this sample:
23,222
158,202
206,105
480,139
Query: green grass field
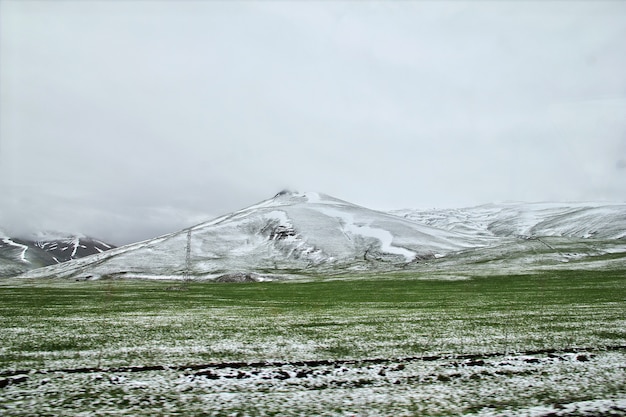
56,326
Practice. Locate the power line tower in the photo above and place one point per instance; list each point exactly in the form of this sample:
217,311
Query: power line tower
187,273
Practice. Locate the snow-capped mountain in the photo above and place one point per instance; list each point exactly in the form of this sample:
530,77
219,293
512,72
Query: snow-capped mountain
300,232
18,255
576,220
71,247
292,231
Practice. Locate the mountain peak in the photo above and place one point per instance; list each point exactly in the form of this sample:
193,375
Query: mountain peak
285,192
295,197
300,196
291,231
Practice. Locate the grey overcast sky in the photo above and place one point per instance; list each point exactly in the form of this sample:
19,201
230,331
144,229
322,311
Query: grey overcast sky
129,119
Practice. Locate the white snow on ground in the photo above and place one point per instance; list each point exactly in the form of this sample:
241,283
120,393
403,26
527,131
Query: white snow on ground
584,220
313,197
279,215
103,244
348,224
75,245
608,407
615,249
23,248
500,386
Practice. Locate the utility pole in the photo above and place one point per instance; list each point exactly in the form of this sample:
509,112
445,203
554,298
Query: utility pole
187,273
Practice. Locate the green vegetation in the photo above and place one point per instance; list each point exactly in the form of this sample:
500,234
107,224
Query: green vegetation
393,344
60,324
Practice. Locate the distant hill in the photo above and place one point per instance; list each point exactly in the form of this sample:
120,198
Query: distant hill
290,232
18,255
580,220
295,233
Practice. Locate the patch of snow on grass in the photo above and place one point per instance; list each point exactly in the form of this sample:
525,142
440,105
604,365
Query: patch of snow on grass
520,386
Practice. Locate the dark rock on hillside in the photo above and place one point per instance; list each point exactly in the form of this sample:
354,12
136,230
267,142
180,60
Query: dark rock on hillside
239,277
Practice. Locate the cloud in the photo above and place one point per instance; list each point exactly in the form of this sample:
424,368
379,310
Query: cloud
139,117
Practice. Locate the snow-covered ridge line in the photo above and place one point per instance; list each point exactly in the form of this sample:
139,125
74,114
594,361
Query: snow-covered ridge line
292,231
582,220
318,233
20,254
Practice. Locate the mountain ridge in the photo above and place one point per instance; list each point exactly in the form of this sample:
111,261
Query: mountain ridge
18,255
574,219
315,233
291,231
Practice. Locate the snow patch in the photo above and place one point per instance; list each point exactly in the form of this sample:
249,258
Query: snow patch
312,197
279,215
384,236
75,244
99,242
23,248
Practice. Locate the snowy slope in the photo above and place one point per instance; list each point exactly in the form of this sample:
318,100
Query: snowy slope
292,231
63,249
12,257
19,255
577,220
299,232
531,236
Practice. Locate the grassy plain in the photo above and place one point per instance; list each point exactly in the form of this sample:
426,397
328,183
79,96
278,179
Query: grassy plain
404,336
